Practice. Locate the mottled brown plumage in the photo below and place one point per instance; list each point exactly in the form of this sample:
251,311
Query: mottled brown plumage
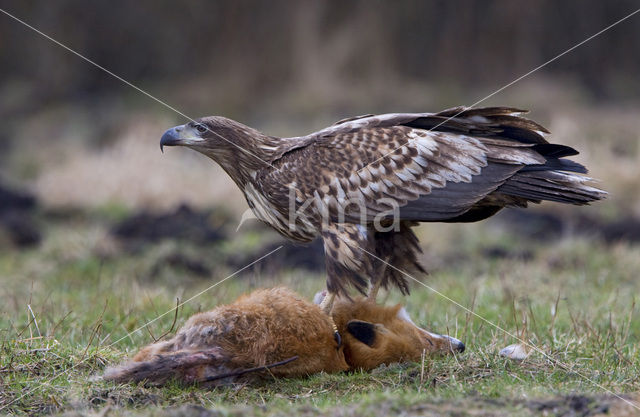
362,183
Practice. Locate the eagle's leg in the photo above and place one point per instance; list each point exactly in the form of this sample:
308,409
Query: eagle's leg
373,291
376,282
346,248
326,306
327,303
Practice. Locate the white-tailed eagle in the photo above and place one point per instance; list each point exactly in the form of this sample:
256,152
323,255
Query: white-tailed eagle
362,183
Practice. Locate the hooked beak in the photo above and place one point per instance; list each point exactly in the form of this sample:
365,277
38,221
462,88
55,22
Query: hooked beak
174,137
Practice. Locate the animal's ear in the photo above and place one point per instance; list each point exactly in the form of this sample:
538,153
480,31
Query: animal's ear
363,331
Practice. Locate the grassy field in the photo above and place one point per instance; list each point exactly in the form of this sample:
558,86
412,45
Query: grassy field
71,307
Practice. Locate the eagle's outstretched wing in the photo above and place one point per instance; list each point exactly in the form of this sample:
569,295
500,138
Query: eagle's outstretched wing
454,166
434,167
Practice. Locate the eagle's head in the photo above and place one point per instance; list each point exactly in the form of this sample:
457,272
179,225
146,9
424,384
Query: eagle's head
207,134
239,149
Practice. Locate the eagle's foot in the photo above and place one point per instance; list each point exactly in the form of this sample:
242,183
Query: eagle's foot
336,333
327,303
326,306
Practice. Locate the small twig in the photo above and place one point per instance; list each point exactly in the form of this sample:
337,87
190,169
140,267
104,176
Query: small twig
55,327
524,335
553,321
35,322
573,322
593,333
119,323
175,319
246,371
626,330
28,326
29,308
96,328
514,313
471,308
40,350
452,351
151,334
610,331
30,339
622,356
424,353
532,319
95,331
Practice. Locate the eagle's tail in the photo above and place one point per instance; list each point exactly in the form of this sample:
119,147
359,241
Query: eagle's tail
557,179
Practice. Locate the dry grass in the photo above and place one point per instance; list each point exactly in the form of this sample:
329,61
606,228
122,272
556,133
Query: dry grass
574,299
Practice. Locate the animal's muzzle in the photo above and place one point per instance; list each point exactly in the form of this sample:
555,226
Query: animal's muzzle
456,345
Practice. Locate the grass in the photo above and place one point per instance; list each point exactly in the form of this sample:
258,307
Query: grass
69,308
573,298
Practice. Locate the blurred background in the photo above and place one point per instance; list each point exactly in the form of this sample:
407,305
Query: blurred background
78,143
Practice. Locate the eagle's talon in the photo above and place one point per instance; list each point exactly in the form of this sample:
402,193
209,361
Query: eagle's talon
337,338
327,304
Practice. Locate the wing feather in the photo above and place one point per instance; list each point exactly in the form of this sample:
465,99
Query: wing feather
459,165
433,175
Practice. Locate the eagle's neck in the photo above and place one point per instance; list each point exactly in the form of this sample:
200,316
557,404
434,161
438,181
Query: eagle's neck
247,153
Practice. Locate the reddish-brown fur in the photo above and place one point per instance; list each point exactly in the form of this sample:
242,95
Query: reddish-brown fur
272,325
396,338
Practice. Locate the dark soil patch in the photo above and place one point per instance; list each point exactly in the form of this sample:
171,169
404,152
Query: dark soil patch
12,200
571,406
546,226
497,252
184,223
17,220
627,229
184,262
307,257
